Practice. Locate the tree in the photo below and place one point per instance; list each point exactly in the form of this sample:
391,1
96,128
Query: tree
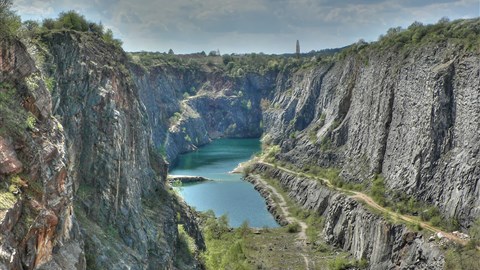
444,20
72,20
96,28
9,21
49,23
170,52
108,37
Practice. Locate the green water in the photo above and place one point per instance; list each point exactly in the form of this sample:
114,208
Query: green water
228,193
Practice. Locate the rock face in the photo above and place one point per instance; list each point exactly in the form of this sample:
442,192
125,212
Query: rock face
220,105
92,193
9,163
350,226
411,116
111,160
38,229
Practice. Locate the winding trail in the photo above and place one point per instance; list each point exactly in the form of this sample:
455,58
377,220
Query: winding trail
301,240
370,202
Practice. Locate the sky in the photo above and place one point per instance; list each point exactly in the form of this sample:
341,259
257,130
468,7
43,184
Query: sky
243,26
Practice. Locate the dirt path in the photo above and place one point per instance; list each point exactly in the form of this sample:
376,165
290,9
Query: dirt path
302,235
369,201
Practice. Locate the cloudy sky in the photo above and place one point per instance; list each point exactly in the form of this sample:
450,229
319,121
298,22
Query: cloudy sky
269,26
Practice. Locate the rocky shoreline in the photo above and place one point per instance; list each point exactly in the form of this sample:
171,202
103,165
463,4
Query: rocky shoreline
272,206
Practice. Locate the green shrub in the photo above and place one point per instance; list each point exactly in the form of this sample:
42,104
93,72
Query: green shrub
474,232
175,118
72,20
225,248
293,227
429,213
75,21
462,259
340,263
108,38
186,248
378,191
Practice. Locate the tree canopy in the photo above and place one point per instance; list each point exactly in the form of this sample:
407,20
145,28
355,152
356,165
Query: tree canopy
9,21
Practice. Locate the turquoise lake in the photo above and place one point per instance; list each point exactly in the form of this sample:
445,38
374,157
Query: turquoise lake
228,193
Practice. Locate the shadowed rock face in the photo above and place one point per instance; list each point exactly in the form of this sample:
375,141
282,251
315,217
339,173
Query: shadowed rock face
120,182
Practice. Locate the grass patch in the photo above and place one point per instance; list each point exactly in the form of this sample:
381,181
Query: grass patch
7,199
462,258
186,249
342,263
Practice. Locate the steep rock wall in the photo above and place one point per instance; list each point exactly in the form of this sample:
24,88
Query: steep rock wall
38,228
220,105
127,217
410,114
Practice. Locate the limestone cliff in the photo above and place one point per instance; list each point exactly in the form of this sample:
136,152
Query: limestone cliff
189,106
120,182
409,114
92,192
405,109
38,229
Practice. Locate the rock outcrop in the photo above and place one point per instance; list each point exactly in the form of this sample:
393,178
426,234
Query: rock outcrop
350,226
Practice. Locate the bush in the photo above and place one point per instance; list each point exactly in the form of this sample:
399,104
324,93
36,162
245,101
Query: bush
474,232
430,213
378,191
225,248
462,259
340,263
108,38
48,23
293,227
72,20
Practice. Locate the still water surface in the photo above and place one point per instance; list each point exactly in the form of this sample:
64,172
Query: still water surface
228,193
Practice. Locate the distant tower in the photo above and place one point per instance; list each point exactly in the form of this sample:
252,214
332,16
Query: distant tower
298,48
